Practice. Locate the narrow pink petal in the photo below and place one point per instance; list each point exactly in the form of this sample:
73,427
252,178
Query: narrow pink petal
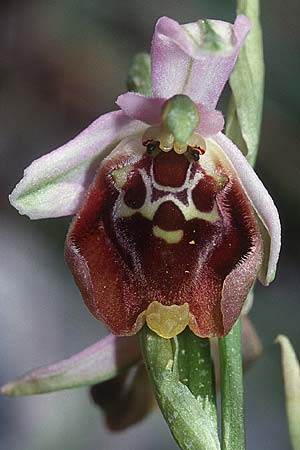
262,204
142,108
99,362
148,110
54,184
182,65
211,122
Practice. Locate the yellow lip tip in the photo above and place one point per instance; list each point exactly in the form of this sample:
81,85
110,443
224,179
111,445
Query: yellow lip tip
167,321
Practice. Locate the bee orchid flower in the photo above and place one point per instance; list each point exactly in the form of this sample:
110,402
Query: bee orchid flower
172,226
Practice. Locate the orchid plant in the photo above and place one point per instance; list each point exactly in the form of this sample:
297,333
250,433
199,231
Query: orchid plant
171,229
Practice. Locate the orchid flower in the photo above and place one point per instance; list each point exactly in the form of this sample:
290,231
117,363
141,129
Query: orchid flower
172,226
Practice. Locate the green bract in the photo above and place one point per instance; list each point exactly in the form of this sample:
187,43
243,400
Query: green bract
247,84
191,419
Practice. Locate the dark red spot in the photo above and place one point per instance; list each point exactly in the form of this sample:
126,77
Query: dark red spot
204,194
135,191
169,217
170,169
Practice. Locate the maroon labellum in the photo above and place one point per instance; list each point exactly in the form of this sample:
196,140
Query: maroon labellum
165,238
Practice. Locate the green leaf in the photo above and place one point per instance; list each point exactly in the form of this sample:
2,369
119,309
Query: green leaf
189,421
291,377
247,84
139,79
231,372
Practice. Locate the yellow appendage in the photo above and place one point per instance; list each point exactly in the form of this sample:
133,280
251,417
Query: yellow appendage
167,321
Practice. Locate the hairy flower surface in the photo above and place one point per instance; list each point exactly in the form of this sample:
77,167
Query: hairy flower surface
172,225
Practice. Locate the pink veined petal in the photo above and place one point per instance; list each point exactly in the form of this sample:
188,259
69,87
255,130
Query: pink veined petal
139,107
261,202
211,122
99,362
181,64
54,184
147,109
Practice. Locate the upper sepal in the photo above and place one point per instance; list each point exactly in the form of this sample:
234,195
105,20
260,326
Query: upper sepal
195,59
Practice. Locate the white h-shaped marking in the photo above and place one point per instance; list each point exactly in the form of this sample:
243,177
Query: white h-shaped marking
149,207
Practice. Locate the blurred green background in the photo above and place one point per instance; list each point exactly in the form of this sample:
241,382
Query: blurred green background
62,64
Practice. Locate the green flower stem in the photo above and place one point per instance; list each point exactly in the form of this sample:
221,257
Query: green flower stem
189,409
232,398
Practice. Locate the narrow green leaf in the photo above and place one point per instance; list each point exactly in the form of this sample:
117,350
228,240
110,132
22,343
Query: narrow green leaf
139,79
291,377
231,373
189,423
247,84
